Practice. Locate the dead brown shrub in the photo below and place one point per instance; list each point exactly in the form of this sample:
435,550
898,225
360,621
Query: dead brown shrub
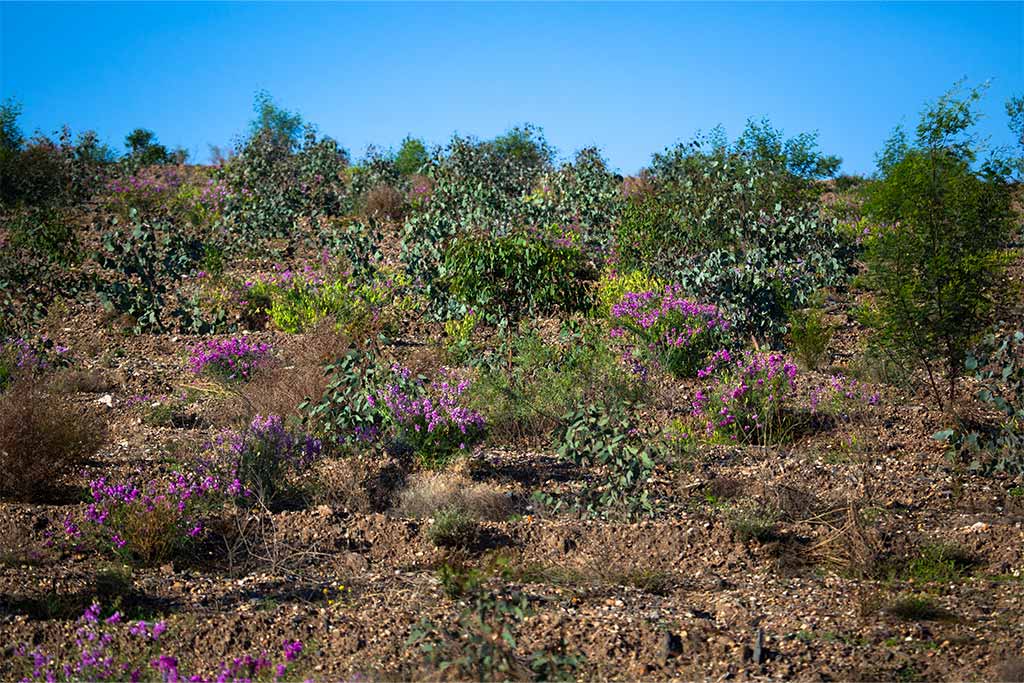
279,390
848,545
384,202
42,440
345,483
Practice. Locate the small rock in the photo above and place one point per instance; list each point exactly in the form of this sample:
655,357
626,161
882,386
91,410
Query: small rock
759,651
107,400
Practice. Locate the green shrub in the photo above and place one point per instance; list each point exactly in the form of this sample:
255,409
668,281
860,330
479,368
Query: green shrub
536,382
493,190
45,233
46,172
505,278
939,563
605,440
302,305
299,304
736,229
144,150
273,180
934,261
8,368
482,644
918,608
145,265
412,156
458,342
347,414
810,334
38,266
648,227
997,365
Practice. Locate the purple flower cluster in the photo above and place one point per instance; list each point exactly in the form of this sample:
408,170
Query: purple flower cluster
241,464
172,505
438,408
268,433
747,395
256,461
421,190
307,275
668,328
35,356
235,358
839,388
148,182
212,196
98,656
432,416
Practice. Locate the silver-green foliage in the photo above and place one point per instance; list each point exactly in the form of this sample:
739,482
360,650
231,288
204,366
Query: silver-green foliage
997,365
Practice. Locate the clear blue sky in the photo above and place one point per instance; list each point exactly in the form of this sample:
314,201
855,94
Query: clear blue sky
629,78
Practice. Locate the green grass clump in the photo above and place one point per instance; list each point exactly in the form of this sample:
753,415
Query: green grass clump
918,608
939,563
452,528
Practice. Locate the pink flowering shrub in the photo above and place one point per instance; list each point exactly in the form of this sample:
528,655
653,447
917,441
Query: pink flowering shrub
753,397
744,401
231,359
201,202
19,356
149,189
153,520
114,649
431,417
258,460
147,521
668,330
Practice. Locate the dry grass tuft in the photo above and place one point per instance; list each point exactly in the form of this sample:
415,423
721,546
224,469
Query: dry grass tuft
87,381
848,546
428,493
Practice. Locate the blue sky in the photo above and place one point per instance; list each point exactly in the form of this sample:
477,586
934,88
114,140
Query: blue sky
630,78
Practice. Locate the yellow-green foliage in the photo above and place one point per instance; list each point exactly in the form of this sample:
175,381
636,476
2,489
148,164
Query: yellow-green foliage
191,203
613,286
458,335
300,305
